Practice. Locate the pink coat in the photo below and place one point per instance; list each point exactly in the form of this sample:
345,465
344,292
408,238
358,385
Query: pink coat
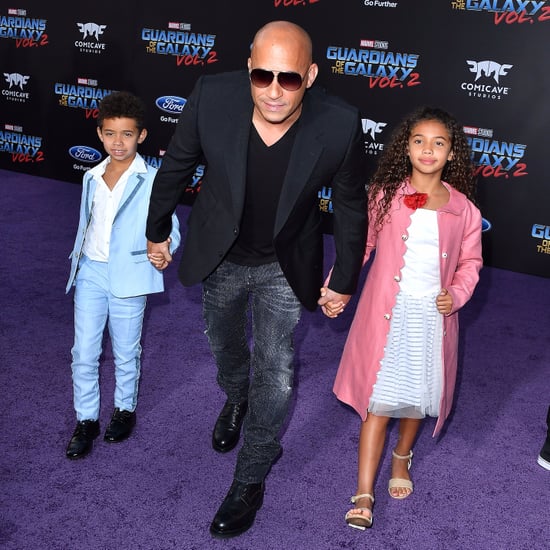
459,224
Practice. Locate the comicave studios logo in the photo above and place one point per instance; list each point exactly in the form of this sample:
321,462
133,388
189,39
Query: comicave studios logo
487,81
90,38
371,129
16,83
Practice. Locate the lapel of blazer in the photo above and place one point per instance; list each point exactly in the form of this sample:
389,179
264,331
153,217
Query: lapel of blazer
133,185
90,185
236,152
306,151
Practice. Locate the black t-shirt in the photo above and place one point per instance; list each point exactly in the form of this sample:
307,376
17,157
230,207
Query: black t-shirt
266,169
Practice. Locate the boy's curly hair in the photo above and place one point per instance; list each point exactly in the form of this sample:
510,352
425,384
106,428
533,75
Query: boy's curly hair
395,166
122,105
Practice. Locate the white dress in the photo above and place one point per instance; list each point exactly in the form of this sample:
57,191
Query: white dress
409,382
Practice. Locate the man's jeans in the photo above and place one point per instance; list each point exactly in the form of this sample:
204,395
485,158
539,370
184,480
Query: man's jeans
275,311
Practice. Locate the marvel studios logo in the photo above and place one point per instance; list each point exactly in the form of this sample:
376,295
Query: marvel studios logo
87,81
378,44
179,26
13,128
474,131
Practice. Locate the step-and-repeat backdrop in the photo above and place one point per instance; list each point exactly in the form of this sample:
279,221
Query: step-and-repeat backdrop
486,61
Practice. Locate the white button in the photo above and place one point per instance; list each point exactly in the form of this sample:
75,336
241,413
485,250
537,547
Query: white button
387,316
444,255
404,237
397,278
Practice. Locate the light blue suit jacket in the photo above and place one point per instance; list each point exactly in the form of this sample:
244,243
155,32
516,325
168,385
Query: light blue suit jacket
130,272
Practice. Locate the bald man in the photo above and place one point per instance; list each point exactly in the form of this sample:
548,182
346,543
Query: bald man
270,141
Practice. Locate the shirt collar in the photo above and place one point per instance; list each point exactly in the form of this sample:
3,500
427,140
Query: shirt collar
138,166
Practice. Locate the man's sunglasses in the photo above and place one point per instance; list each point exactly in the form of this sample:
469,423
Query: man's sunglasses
289,81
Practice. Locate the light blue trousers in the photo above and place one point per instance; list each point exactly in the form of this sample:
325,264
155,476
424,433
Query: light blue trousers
94,305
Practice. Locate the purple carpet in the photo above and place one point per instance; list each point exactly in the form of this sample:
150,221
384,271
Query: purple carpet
478,486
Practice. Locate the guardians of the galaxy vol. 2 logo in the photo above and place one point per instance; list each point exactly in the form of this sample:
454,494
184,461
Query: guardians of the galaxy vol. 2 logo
508,12
373,60
189,48
28,32
495,158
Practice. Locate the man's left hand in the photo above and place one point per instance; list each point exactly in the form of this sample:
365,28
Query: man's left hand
332,303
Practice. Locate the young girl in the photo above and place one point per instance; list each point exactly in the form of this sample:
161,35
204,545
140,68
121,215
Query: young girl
400,357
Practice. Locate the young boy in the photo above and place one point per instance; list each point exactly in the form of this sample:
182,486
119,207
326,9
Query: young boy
111,271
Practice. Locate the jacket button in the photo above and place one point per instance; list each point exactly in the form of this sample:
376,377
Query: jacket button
444,255
396,278
387,316
404,237
235,231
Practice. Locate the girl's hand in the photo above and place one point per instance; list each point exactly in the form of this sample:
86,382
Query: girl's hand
444,302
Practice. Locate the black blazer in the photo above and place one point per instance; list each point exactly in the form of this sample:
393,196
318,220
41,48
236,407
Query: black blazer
214,128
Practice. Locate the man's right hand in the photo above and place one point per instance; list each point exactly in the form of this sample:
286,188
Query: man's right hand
159,254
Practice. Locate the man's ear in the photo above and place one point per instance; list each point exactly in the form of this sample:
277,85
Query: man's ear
311,75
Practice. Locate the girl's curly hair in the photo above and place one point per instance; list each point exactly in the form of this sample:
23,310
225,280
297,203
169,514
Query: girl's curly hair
394,165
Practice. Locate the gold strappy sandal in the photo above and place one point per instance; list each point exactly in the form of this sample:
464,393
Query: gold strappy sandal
360,521
398,482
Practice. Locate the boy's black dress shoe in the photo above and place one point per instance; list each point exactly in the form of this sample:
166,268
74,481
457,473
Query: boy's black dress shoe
228,426
121,426
238,510
544,455
82,441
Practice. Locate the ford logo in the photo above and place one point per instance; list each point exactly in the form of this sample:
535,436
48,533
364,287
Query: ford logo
485,225
84,153
171,103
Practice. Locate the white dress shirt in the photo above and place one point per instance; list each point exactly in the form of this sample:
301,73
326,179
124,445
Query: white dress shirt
104,207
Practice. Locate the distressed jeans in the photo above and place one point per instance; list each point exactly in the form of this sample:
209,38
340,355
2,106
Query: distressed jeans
261,371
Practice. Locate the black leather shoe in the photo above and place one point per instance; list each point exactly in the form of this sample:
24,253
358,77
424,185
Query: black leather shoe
82,441
544,455
121,426
228,426
238,510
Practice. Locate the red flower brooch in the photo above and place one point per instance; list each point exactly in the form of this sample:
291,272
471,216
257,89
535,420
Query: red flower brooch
416,200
